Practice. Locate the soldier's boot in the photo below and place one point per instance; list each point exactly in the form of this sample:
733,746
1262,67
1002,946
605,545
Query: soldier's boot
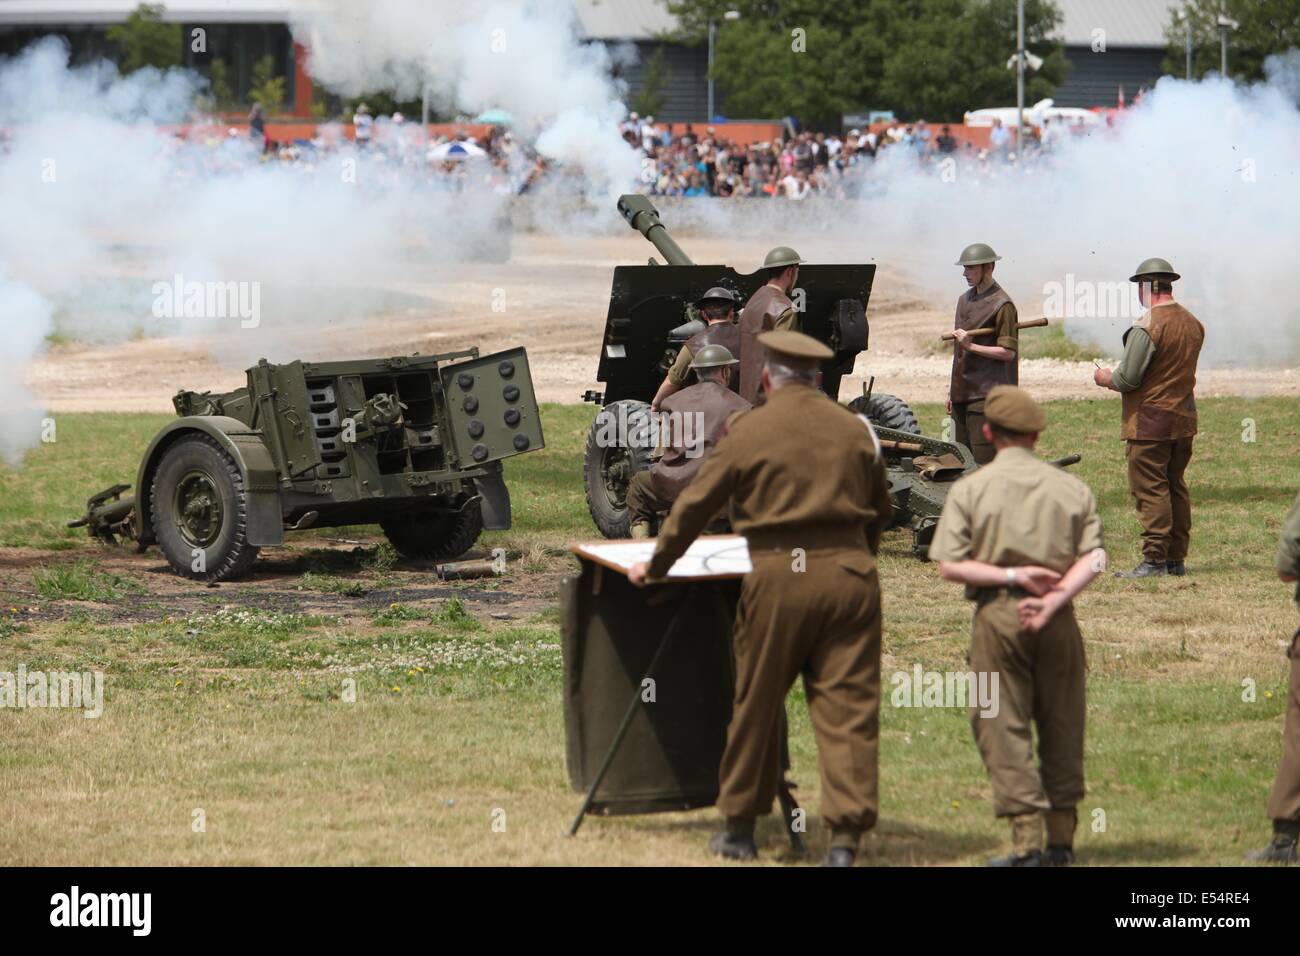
640,529
737,841
1283,848
844,846
1145,569
1176,568
1060,837
1026,842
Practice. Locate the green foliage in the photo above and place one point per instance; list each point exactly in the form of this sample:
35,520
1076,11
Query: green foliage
1266,27
146,41
649,99
267,88
221,94
80,581
931,58
331,584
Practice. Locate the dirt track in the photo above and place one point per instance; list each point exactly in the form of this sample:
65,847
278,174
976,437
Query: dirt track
555,296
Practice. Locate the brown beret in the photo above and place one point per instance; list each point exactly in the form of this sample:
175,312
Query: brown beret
1011,408
795,346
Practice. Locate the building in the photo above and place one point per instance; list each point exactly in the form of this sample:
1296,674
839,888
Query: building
1134,34
240,32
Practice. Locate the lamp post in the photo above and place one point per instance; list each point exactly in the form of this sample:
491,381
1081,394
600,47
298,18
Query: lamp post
1226,25
1020,81
713,33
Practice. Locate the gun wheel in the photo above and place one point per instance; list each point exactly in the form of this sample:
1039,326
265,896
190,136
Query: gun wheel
199,511
608,466
887,411
436,537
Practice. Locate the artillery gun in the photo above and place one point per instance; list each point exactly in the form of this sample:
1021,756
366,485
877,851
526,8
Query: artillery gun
414,444
651,316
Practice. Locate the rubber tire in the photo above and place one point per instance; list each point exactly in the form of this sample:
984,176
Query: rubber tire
888,411
613,521
441,537
230,557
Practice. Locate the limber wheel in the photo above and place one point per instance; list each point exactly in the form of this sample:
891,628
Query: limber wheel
199,511
618,446
887,411
435,537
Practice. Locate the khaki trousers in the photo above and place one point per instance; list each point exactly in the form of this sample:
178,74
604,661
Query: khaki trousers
644,504
822,622
968,429
1040,679
1164,507
1284,800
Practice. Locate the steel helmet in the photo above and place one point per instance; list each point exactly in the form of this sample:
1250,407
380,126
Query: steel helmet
976,254
781,256
1154,269
718,294
714,356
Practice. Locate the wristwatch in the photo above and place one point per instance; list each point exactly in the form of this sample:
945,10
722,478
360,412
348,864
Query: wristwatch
1011,576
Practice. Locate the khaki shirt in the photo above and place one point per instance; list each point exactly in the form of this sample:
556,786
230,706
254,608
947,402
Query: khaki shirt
797,471
681,370
1018,510
1288,550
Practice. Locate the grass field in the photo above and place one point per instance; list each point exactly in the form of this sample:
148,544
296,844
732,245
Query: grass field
232,707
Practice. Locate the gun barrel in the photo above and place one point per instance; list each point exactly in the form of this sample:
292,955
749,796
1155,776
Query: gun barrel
642,216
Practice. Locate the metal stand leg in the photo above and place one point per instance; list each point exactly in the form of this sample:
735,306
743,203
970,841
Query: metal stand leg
632,706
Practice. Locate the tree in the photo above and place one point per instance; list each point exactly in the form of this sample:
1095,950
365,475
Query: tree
146,41
266,88
222,96
934,58
649,98
1265,27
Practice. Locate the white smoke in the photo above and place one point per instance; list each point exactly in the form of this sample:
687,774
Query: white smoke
526,58
26,324
1202,174
101,204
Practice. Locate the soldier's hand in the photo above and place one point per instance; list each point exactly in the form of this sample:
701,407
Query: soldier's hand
637,573
1036,579
1035,612
1104,377
960,335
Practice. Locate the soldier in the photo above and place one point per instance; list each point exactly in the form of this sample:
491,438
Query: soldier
807,487
977,368
1025,538
718,309
698,417
1284,801
767,309
1157,378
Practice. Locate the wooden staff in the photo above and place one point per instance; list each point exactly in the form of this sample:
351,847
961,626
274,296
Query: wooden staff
901,445
1031,324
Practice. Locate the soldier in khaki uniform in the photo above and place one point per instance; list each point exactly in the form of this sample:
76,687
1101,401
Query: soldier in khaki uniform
1284,800
1025,538
696,419
977,368
1157,377
767,309
812,504
718,309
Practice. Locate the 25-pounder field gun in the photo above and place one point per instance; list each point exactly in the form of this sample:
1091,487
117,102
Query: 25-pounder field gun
414,444
651,315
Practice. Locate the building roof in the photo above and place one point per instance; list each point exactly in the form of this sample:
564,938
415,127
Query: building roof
624,19
1128,23
62,12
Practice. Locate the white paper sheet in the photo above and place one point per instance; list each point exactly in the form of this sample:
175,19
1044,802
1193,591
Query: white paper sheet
710,556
